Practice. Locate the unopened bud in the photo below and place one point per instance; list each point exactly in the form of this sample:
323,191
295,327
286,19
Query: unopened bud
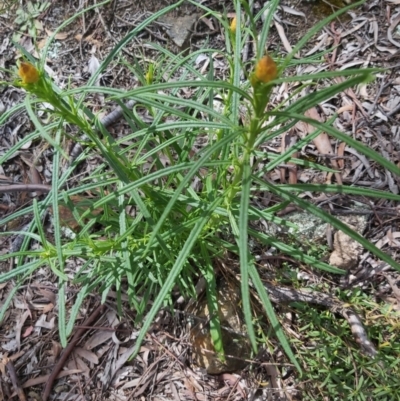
28,73
266,70
232,26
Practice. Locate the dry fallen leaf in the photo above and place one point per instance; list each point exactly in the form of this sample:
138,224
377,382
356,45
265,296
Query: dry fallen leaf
59,35
80,204
88,355
41,43
27,332
322,141
77,362
88,39
19,324
42,322
340,153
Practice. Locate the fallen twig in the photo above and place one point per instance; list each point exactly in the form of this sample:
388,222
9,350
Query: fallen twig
286,294
106,121
14,380
24,188
67,351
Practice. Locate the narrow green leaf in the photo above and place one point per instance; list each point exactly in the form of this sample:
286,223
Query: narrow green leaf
212,302
196,166
22,269
244,255
295,148
83,292
269,309
62,314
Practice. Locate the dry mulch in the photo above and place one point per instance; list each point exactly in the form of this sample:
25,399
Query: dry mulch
98,367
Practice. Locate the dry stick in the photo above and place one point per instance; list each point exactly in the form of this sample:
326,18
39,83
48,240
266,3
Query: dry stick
395,289
108,120
289,140
279,294
75,339
286,294
14,380
24,188
233,388
383,85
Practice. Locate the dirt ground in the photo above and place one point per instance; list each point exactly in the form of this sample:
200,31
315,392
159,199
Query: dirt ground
165,369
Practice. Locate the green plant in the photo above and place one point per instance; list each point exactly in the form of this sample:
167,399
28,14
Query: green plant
334,368
177,221
26,18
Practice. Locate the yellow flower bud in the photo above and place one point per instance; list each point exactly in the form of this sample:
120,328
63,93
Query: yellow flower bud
150,74
266,70
28,73
232,27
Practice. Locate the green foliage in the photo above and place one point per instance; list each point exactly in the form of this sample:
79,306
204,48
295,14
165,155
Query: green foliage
26,18
189,208
333,366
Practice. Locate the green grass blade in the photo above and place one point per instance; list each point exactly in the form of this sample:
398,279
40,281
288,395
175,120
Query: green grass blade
38,221
269,309
43,131
22,269
243,246
271,6
237,65
83,292
300,162
212,301
62,314
295,148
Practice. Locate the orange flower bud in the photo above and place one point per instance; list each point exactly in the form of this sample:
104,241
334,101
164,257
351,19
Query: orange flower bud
28,73
232,27
265,71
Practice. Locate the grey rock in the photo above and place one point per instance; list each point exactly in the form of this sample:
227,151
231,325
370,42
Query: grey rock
180,28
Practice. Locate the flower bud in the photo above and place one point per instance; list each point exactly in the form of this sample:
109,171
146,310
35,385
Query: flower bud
28,73
149,76
266,70
232,26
